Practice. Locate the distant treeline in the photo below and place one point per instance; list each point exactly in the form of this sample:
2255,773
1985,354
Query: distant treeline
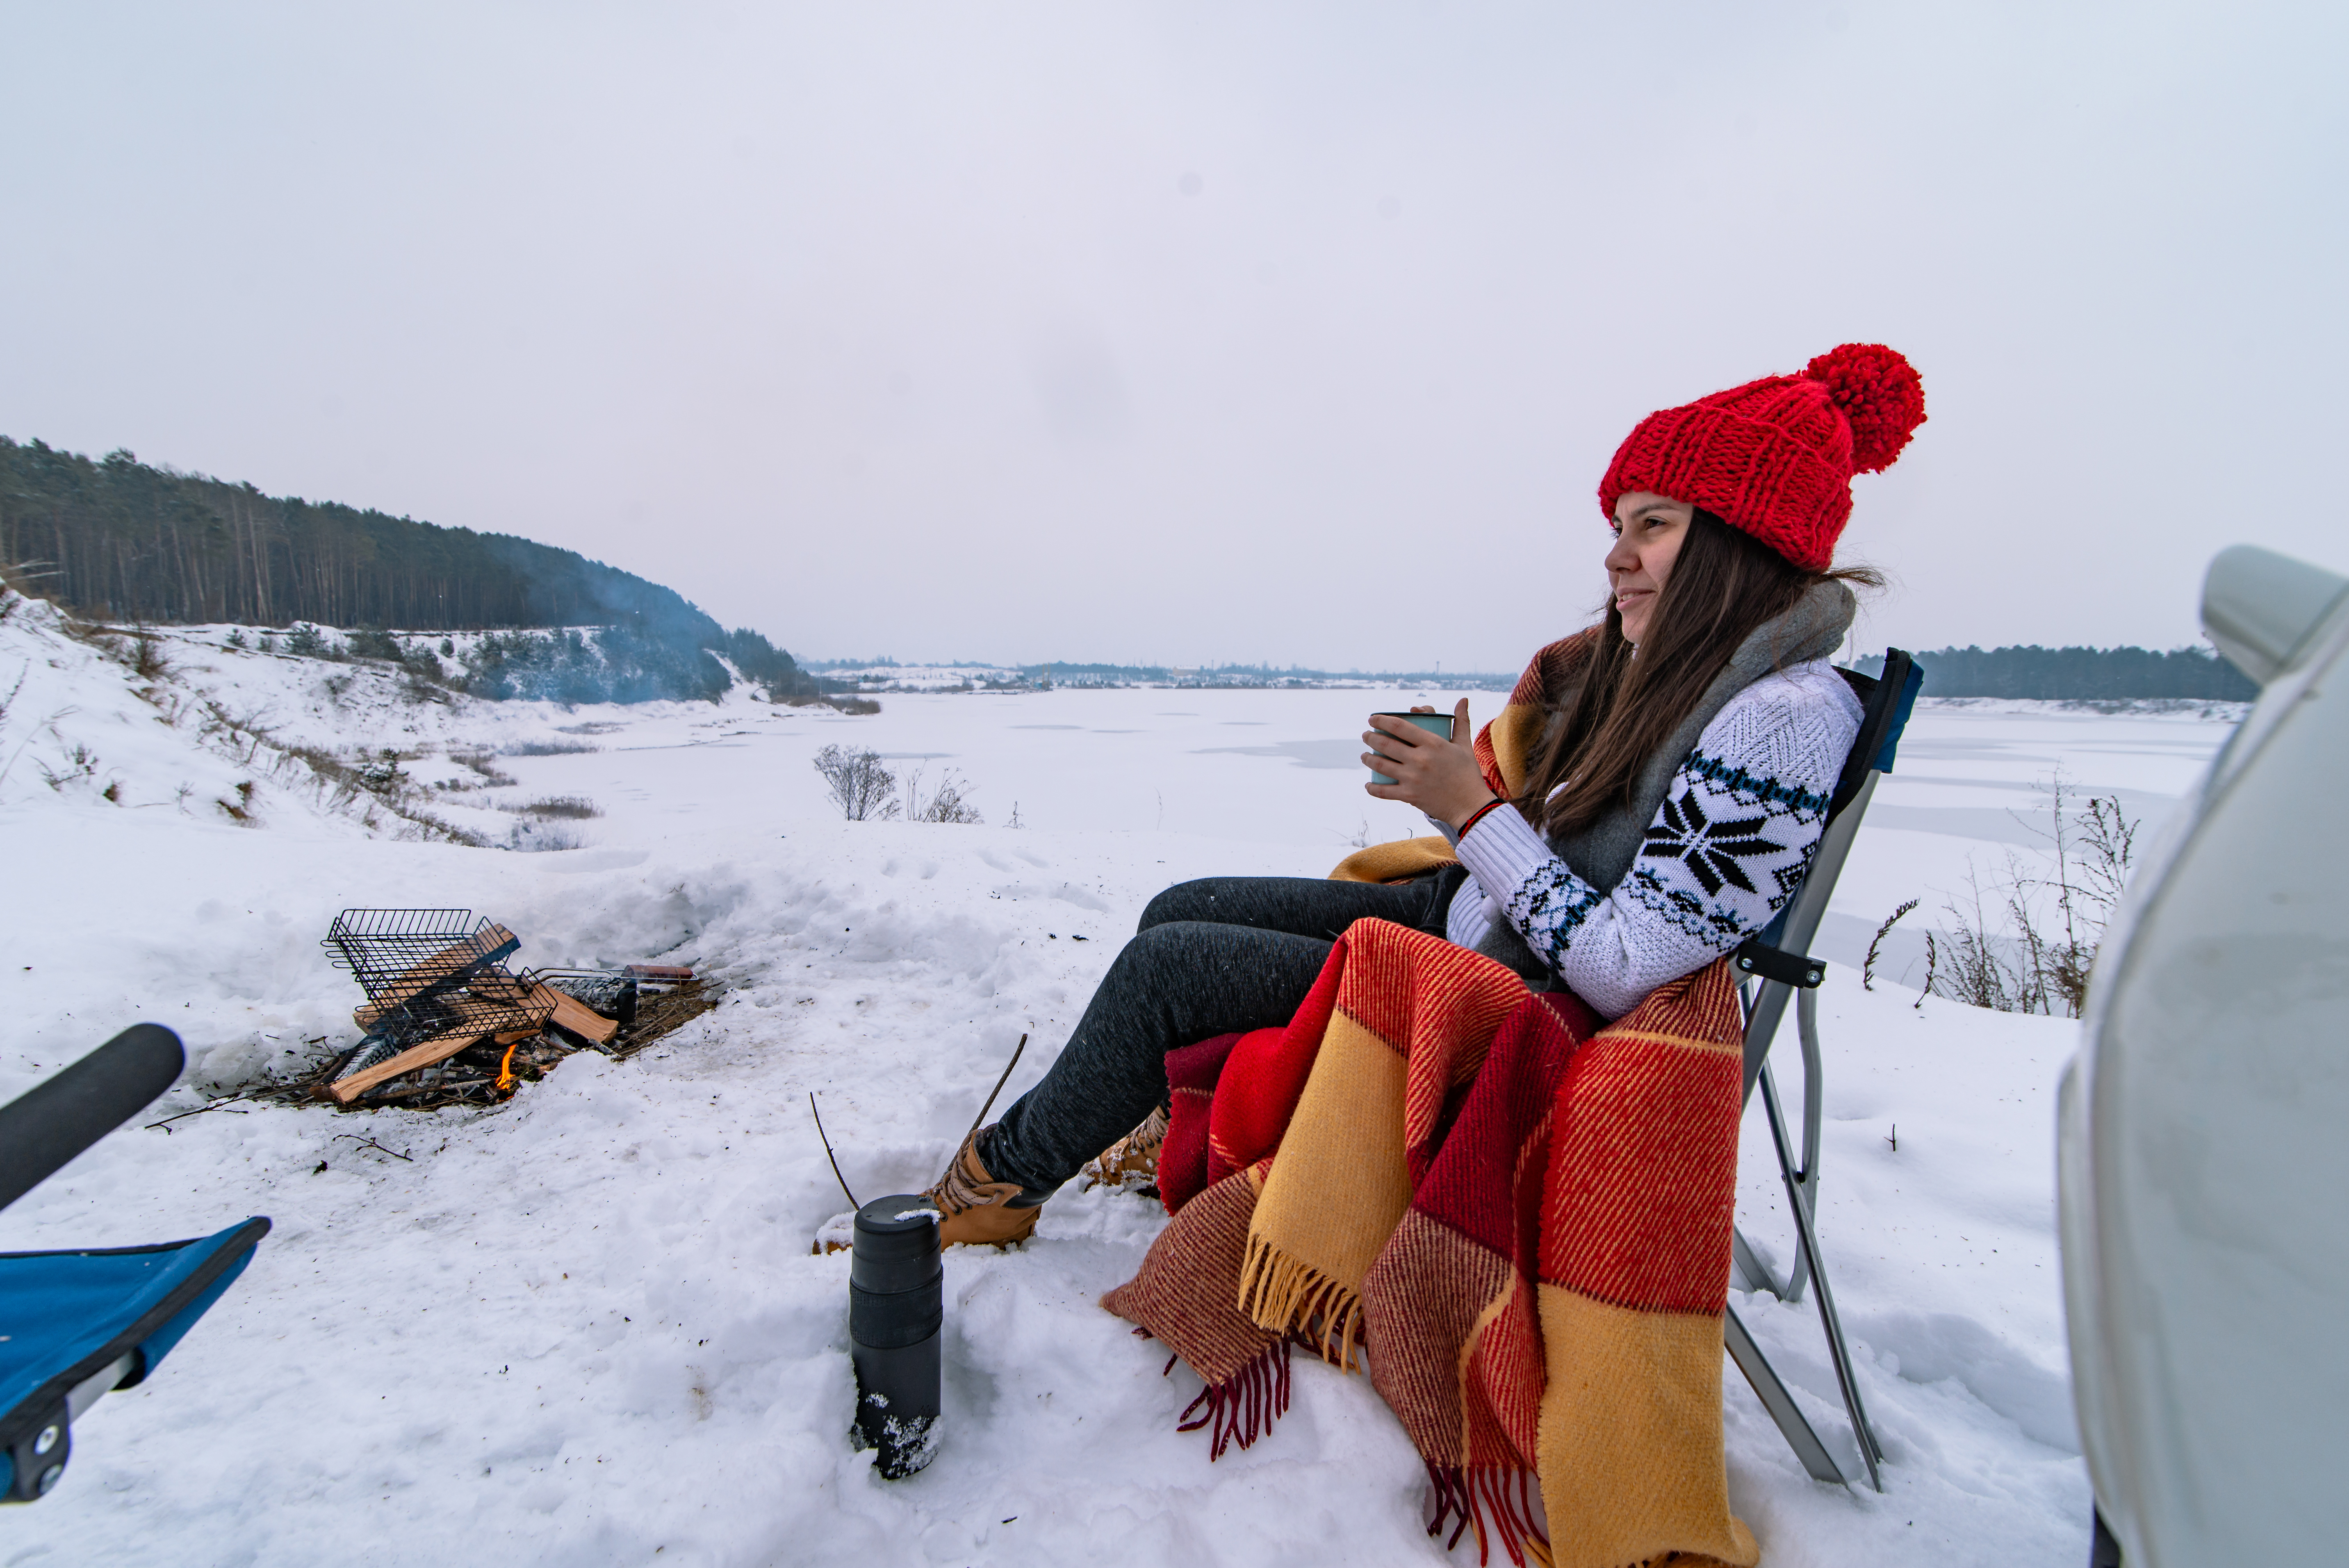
119,540
1253,675
1067,674
2078,675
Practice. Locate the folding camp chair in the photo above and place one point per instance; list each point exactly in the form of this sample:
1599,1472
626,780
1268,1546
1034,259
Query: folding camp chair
1778,965
75,1325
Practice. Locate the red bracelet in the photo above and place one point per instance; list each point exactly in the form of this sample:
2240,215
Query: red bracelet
1470,825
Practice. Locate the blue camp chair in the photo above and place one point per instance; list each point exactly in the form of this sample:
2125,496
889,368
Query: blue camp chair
75,1325
1778,965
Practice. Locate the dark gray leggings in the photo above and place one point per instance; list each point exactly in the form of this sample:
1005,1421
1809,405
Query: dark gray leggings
1211,957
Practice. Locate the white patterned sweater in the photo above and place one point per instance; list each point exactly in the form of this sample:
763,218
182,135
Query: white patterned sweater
1726,850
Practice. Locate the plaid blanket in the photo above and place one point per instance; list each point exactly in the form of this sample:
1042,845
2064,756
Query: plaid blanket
1519,1219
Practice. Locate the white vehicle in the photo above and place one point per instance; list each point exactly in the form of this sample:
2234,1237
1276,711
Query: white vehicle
2203,1170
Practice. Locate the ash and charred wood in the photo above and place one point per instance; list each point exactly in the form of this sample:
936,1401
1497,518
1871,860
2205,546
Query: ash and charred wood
427,1053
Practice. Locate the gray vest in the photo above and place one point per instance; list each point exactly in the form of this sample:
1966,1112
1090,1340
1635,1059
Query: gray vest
1601,854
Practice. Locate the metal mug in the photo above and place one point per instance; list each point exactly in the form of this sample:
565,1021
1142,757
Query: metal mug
1436,724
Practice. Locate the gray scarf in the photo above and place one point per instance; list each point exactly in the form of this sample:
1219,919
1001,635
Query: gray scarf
1601,854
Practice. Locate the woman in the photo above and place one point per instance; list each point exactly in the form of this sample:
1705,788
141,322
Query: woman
1670,803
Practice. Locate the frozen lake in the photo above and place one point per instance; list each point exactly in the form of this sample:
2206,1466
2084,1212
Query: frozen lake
1277,774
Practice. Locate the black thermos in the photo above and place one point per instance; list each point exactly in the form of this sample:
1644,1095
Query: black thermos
895,1306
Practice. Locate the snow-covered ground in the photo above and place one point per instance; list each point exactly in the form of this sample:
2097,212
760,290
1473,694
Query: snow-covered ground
586,1326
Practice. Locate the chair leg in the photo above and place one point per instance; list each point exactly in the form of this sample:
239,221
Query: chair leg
1806,1176
1836,1350
1806,1030
1746,1264
1781,1405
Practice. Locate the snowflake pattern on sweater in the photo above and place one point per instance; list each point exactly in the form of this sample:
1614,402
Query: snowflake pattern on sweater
1728,847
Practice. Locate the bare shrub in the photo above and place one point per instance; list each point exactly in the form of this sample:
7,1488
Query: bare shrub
571,806
860,785
1867,969
547,748
484,765
248,731
339,780
135,648
2026,943
1974,962
80,766
828,700
2091,868
328,768
429,827
381,780
949,803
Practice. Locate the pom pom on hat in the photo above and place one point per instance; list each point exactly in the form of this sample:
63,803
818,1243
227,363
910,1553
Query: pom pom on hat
1879,392
1775,457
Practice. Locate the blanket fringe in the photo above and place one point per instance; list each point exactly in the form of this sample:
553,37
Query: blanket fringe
1243,1407
1496,1502
1284,1296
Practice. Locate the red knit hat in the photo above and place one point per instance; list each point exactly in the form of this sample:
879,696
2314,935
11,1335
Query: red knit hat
1775,456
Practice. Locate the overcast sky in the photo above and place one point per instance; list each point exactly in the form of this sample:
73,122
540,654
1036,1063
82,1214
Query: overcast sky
1194,332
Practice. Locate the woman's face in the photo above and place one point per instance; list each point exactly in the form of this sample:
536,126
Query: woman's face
1649,528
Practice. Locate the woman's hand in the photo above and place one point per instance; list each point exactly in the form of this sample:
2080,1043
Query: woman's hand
1440,776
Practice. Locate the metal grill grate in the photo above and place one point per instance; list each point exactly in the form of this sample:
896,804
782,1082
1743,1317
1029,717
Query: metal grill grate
394,953
433,971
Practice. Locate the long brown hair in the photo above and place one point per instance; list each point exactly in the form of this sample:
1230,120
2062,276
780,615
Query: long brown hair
1723,585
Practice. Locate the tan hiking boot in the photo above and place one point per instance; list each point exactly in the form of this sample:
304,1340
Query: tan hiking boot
1132,1162
974,1207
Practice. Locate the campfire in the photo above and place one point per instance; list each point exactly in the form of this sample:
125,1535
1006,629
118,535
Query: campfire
446,1021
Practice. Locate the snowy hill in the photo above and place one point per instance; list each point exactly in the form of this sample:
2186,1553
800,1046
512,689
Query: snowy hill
585,1327
195,720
